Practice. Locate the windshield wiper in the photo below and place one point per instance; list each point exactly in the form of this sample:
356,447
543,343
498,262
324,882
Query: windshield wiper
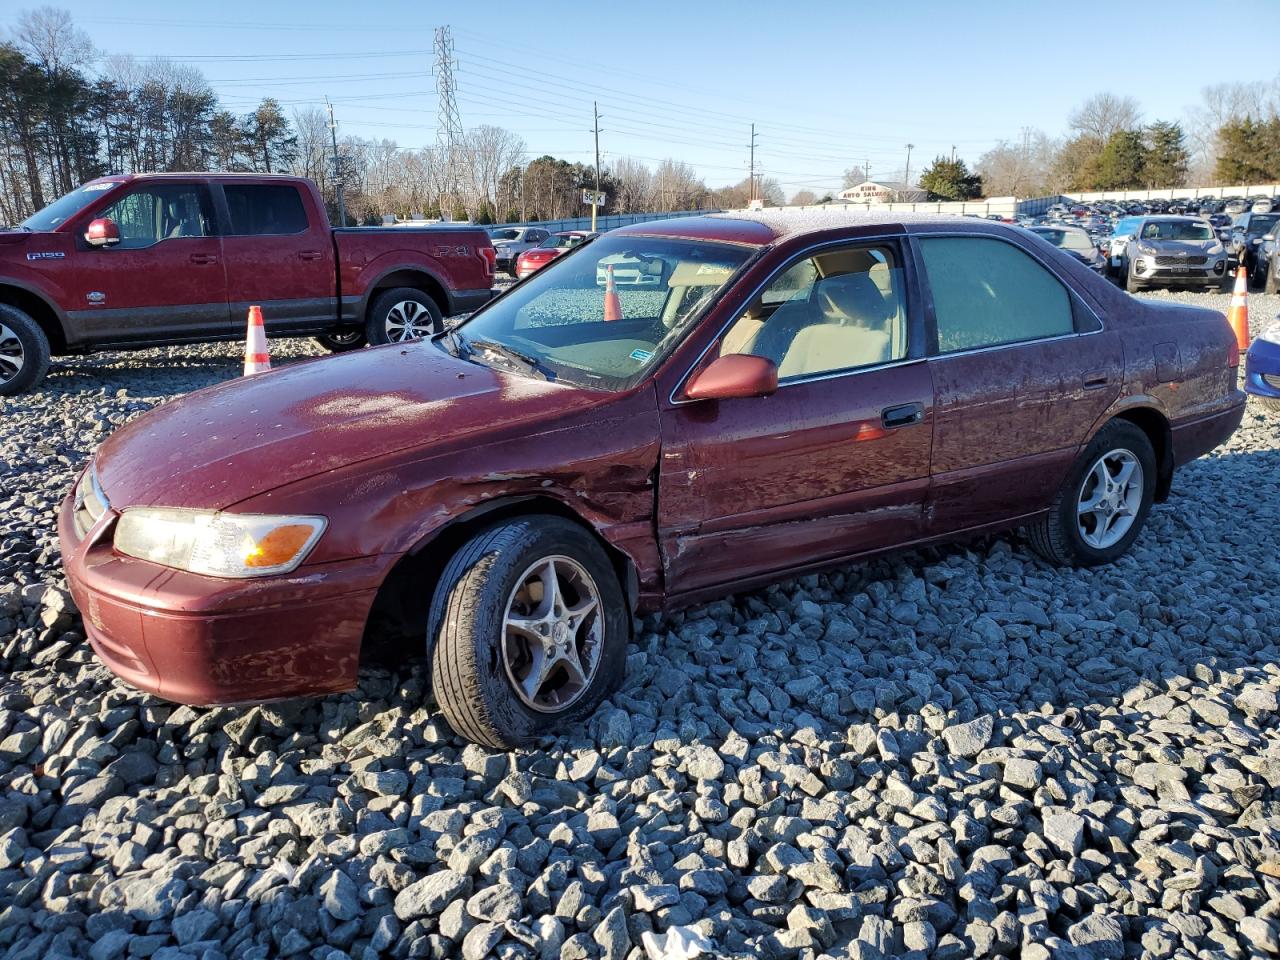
532,365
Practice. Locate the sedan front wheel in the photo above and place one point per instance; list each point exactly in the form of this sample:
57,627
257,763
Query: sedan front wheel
528,629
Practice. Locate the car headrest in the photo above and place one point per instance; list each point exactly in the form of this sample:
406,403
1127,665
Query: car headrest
852,299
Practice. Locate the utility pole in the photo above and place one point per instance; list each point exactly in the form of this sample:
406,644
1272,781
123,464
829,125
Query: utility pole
953,153
448,120
906,176
751,182
595,129
337,166
866,166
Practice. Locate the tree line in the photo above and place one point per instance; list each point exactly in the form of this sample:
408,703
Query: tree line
68,114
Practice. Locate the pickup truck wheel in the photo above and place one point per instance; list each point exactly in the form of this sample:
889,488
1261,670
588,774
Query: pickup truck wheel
340,342
24,351
1104,501
403,314
529,630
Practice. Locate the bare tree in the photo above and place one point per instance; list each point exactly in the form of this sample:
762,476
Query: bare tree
1220,104
803,198
1104,114
48,37
1020,168
488,153
634,188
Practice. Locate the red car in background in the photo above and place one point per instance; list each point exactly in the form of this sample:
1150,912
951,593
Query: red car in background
531,261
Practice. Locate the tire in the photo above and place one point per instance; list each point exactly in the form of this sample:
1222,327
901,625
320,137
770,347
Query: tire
1130,284
342,342
24,352
1272,283
393,320
1058,537
474,668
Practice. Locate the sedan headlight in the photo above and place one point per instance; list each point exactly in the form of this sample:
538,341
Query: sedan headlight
217,544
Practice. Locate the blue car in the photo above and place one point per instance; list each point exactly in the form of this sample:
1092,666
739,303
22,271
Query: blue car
1262,366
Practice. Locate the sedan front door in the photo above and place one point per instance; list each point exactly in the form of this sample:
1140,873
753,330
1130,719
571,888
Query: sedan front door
835,463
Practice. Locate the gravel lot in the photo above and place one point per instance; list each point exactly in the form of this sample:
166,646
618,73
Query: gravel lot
955,752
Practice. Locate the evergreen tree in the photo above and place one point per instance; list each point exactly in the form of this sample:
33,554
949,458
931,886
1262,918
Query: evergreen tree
1121,162
947,179
1167,158
1249,151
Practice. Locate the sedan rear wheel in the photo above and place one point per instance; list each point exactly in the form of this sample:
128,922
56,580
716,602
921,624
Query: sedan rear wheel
528,630
1103,503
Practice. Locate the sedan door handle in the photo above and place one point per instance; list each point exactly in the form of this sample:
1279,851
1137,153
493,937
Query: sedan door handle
1095,381
902,415
309,255
203,258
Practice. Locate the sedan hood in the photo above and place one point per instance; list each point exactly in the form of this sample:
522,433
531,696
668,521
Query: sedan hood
224,444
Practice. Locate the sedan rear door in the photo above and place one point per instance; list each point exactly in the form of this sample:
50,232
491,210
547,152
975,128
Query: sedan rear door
1021,370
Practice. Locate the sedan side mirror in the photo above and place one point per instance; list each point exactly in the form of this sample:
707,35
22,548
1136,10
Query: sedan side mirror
102,232
734,376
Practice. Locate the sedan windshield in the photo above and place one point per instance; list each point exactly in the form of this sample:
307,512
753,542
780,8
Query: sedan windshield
63,209
1066,239
1191,230
564,323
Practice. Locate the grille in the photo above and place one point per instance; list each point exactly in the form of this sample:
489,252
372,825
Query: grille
1271,380
91,503
1179,261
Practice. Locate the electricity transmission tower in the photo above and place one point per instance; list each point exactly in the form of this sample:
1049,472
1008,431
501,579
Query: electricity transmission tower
448,121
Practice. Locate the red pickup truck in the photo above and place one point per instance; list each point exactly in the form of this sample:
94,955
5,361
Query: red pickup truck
152,259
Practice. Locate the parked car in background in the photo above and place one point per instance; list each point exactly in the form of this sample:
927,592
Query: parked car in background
510,242
1120,233
1074,241
553,246
1262,365
1247,233
804,392
151,259
1269,258
1173,251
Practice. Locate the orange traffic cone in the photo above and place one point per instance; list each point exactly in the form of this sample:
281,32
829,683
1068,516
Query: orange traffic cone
256,357
1238,312
612,305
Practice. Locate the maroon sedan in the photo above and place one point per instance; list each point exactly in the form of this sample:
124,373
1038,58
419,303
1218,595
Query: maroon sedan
799,392
535,258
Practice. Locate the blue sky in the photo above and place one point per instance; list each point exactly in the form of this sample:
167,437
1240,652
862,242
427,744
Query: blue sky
829,85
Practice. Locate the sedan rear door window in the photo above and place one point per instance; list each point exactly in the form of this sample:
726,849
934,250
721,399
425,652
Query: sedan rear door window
988,292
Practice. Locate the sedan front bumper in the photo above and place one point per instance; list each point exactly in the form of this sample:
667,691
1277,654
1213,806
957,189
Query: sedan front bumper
208,640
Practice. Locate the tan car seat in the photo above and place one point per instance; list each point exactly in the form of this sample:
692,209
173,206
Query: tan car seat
849,330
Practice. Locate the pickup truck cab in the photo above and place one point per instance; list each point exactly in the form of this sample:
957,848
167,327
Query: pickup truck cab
152,259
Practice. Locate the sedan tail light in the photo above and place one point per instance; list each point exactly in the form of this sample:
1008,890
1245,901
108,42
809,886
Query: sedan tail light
1233,354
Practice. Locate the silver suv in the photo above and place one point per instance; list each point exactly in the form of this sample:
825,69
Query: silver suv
510,242
1171,251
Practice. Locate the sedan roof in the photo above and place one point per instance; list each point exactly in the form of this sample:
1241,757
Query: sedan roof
763,227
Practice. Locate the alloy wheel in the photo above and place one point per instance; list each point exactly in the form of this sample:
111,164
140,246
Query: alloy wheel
1110,498
553,634
12,356
408,320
